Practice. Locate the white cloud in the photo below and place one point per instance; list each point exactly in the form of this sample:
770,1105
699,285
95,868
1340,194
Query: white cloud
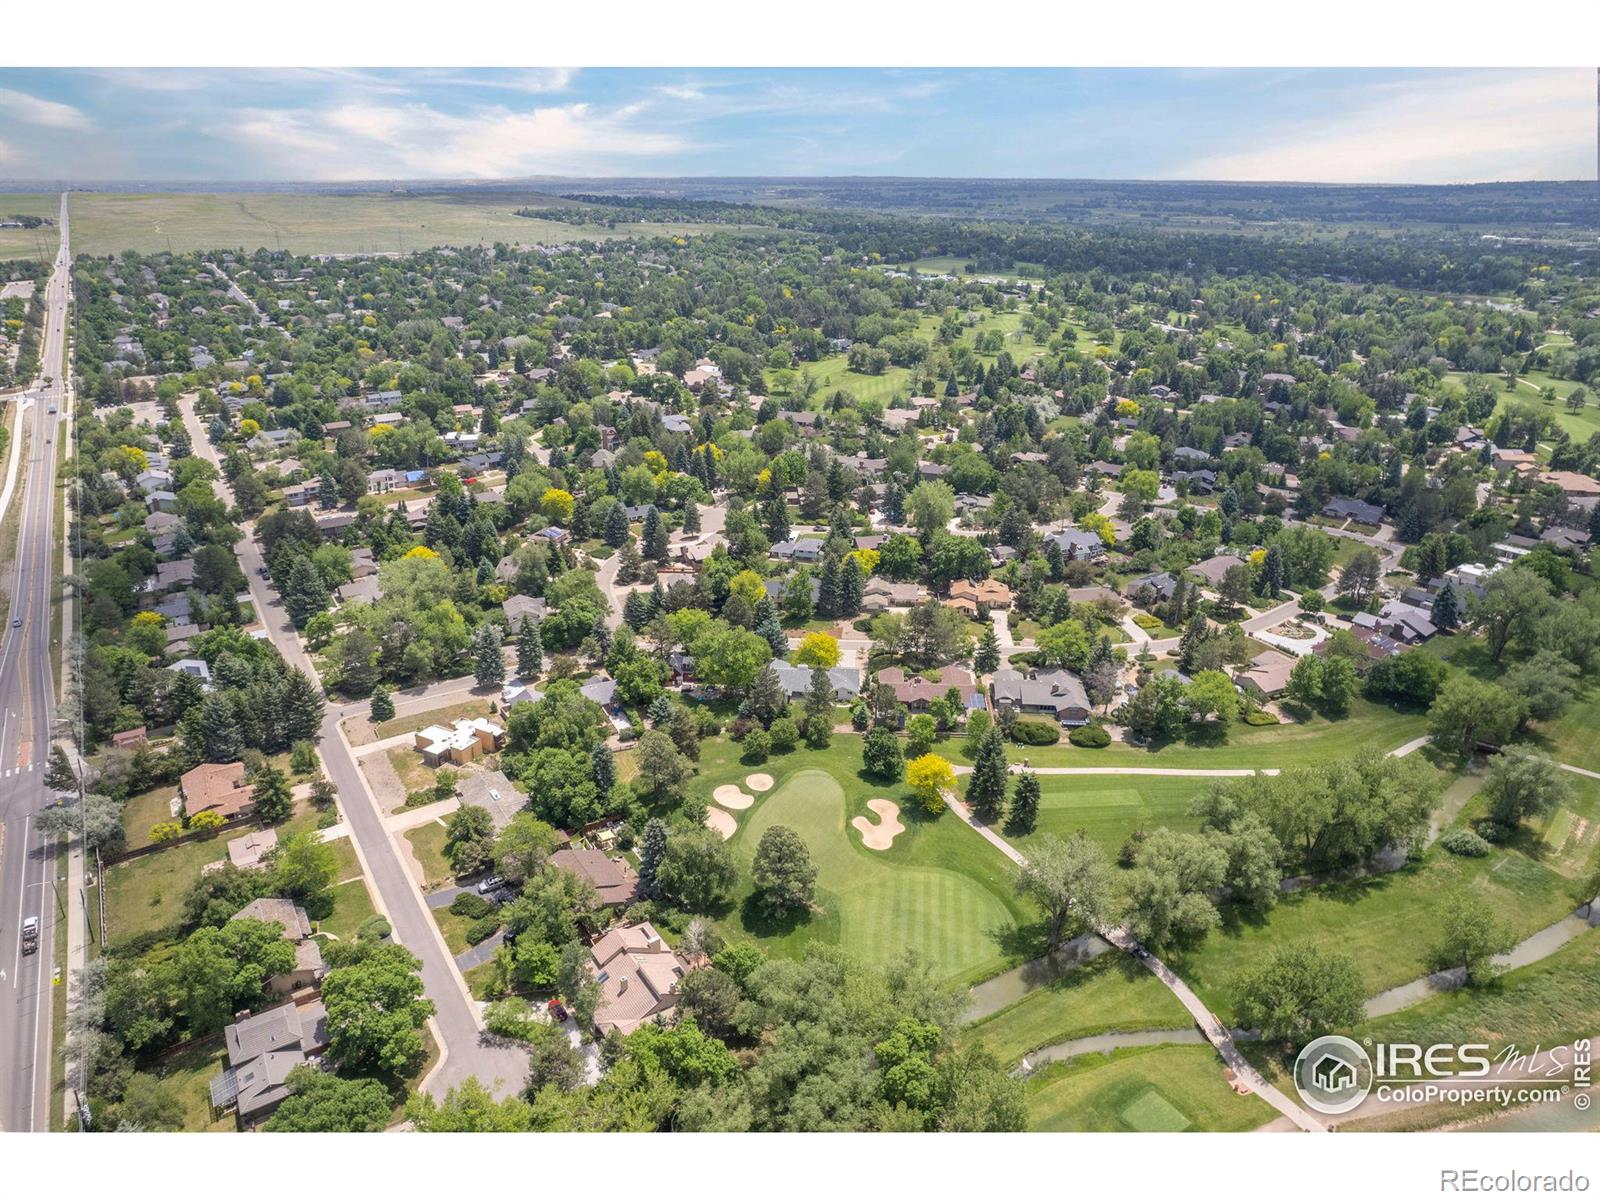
34,111
1454,128
360,140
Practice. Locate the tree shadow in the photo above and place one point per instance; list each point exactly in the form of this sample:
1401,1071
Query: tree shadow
761,921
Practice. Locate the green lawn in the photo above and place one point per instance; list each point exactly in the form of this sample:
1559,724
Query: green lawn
352,905
190,1072
1287,745
37,243
1166,1089
1113,993
940,890
1110,807
143,811
1389,924
428,843
147,893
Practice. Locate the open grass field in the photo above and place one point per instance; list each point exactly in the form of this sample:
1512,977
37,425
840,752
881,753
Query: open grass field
1112,993
950,264
1157,1089
1388,924
29,243
1287,745
108,223
1529,386
145,894
189,1072
939,890
1110,807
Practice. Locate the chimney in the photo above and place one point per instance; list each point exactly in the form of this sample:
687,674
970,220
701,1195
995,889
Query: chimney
622,985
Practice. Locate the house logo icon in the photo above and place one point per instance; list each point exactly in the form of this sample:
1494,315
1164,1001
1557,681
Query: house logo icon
1333,1074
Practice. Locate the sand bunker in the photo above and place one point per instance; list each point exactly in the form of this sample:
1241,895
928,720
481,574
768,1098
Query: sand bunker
882,835
729,796
722,822
758,783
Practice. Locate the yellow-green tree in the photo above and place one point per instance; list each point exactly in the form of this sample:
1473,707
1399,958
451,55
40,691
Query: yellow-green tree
557,505
818,650
930,777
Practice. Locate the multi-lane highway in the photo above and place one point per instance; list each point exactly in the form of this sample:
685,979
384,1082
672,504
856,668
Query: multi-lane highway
28,866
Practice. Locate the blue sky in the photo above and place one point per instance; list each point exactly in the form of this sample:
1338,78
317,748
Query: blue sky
1385,126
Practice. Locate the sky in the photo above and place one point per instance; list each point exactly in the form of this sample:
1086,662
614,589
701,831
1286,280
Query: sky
1314,125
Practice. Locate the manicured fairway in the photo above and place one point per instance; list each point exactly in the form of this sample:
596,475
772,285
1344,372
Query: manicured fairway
1154,1089
1253,747
1110,807
939,890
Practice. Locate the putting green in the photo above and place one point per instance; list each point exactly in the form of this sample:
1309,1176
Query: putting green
1151,1112
880,903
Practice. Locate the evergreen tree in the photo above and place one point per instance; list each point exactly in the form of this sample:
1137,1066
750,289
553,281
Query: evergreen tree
651,847
616,526
382,705
654,536
1445,613
769,628
488,662
58,773
852,584
530,649
819,696
631,564
636,610
604,769
220,739
270,792
894,504
1054,560
828,594
691,517
1271,579
302,706
304,594
658,600
986,790
768,700
775,518
1025,803
987,658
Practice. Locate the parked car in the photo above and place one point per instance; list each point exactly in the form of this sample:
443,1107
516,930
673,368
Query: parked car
492,884
558,1010
30,935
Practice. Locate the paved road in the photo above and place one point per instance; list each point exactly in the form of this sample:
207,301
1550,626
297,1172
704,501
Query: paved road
457,1024
28,867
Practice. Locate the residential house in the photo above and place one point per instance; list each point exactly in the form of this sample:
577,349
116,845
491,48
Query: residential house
639,977
1213,569
881,593
1268,674
1079,544
518,607
308,965
1058,694
1342,509
614,881
461,743
805,550
261,1051
968,595
1161,587
918,694
218,788
796,681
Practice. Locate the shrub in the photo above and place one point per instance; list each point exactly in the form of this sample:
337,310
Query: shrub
1035,733
739,728
480,929
1465,843
1493,831
1147,621
374,929
165,831
757,745
471,905
1090,737
1260,717
785,735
